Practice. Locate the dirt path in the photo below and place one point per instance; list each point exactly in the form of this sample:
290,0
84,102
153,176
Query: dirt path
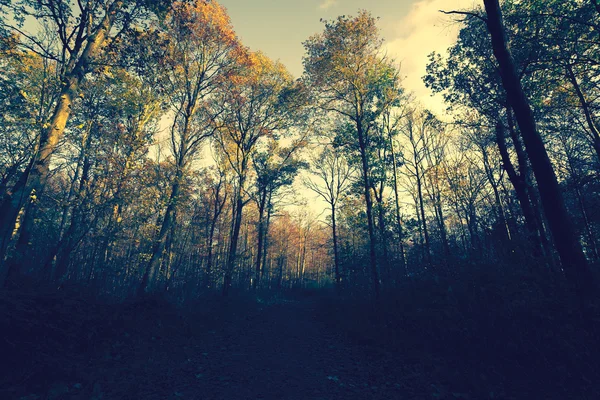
274,351
283,352
279,350
308,347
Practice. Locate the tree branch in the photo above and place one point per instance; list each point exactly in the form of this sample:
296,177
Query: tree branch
464,13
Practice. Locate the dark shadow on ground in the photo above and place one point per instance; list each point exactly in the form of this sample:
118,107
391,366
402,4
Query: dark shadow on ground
426,341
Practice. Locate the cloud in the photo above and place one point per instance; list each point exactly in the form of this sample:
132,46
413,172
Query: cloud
327,4
424,30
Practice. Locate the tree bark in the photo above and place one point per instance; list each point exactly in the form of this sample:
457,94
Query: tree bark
336,256
369,206
235,233
266,239
163,238
422,214
260,238
494,184
397,203
382,230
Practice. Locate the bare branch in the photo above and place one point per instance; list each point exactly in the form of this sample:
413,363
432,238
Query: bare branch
465,13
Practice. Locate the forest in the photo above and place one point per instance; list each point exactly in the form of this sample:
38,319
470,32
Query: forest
181,217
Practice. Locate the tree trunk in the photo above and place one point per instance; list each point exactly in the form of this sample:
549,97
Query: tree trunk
591,240
336,256
546,249
423,219
369,205
382,230
266,239
442,227
521,191
397,201
260,238
9,213
209,257
163,238
235,233
499,207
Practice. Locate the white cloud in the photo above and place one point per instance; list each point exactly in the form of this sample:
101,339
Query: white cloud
422,31
327,4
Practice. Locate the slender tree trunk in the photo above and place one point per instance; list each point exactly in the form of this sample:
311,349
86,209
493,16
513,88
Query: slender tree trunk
397,203
336,256
266,240
421,241
209,257
520,187
163,238
369,205
9,214
546,250
260,238
280,261
471,214
218,207
588,228
442,227
235,233
114,220
499,207
423,219
382,231
567,244
463,233
60,251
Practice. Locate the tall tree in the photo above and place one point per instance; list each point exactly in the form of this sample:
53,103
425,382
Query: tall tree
275,168
261,101
333,172
349,74
202,51
417,139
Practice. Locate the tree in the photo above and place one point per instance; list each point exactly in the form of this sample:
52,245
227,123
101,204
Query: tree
349,74
261,101
389,129
275,168
415,131
202,51
333,173
217,198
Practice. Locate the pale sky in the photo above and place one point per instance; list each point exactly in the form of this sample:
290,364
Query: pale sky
411,28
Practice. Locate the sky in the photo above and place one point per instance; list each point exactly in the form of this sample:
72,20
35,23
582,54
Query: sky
412,29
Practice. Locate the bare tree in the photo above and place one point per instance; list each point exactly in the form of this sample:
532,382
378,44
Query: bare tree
332,175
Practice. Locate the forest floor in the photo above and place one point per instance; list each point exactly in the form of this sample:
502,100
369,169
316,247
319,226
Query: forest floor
303,345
